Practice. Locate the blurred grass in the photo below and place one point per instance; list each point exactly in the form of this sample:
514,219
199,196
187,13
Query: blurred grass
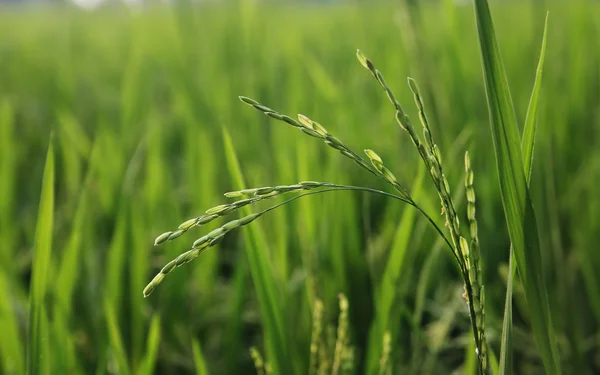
137,102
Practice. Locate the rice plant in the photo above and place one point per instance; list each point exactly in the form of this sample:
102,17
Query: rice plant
466,255
147,131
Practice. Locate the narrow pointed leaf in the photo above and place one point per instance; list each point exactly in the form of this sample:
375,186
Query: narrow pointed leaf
527,146
518,208
199,361
262,275
42,251
529,129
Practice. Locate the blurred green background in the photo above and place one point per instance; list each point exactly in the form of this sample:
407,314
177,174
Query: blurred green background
140,101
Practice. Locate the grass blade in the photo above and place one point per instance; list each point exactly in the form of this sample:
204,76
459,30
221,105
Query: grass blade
527,146
11,355
117,349
529,129
262,275
506,353
199,360
42,252
152,344
518,208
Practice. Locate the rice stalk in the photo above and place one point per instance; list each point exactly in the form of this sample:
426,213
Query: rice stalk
385,365
431,156
475,273
259,363
342,335
315,337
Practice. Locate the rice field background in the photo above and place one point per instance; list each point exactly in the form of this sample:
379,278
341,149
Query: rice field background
141,109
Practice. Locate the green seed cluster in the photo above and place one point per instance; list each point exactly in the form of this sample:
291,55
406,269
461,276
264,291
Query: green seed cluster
314,129
330,349
385,365
342,351
317,328
401,116
466,256
432,158
475,273
200,245
259,194
385,173
429,151
261,367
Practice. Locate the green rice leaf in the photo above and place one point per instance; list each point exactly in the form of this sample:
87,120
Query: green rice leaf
527,145
199,360
37,362
117,350
518,208
529,129
262,275
10,346
152,344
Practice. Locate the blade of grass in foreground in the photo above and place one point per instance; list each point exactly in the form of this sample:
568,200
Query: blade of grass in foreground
199,361
38,328
518,208
262,275
152,344
527,146
117,349
11,355
529,129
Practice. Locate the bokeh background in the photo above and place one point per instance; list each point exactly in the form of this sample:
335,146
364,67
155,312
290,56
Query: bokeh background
142,104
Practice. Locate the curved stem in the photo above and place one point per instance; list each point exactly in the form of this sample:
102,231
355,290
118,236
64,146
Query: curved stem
335,187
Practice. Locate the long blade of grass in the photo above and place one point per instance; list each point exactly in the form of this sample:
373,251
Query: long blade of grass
42,252
506,353
199,361
262,275
152,344
11,353
117,349
529,129
527,146
518,208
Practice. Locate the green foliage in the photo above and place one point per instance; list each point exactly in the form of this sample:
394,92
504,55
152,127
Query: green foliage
137,102
38,349
512,172
527,145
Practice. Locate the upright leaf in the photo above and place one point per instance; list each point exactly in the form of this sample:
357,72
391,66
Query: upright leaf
527,145
262,275
529,129
518,208
38,339
11,354
152,344
199,361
